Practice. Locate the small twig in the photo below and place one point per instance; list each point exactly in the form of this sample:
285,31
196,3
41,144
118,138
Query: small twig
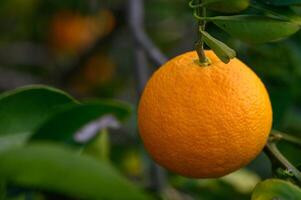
200,14
286,137
278,160
201,11
136,19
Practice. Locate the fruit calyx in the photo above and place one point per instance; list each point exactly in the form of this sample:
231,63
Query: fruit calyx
206,63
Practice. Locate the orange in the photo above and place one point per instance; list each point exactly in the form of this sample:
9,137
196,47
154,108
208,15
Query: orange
204,122
73,33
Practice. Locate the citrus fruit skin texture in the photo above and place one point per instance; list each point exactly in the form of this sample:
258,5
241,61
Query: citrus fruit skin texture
204,122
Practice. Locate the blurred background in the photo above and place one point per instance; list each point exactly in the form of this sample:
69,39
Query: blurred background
87,49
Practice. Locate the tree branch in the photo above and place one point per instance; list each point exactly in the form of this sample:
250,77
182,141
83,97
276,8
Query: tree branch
136,19
144,45
277,158
286,137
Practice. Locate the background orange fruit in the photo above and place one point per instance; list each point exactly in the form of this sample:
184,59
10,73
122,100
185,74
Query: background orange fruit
204,122
73,33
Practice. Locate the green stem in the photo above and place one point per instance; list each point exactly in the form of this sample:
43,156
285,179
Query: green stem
201,11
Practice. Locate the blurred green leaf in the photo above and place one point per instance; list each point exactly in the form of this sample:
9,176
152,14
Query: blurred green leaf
208,189
276,189
224,52
284,13
255,29
229,6
100,146
56,169
78,124
12,140
2,190
282,2
242,180
24,109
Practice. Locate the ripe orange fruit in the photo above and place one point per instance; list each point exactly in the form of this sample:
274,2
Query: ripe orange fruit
204,122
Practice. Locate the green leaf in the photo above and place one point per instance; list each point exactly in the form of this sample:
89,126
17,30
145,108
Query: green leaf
243,180
255,29
283,13
282,2
78,124
100,146
276,189
24,109
12,140
229,6
56,169
224,52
